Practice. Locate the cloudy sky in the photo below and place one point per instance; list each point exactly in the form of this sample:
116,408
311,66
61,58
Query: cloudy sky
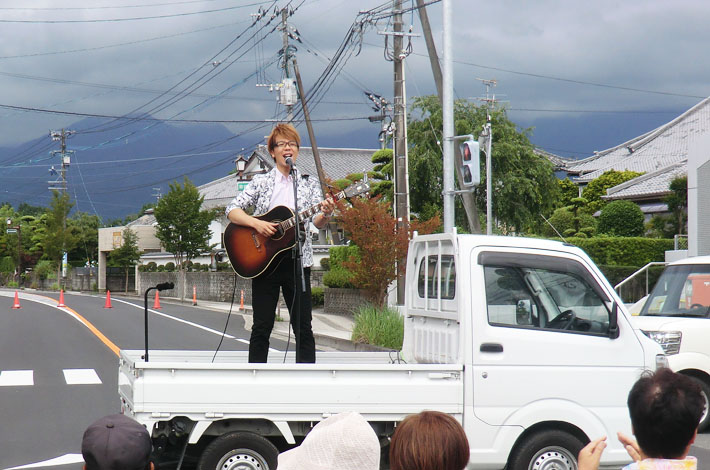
584,75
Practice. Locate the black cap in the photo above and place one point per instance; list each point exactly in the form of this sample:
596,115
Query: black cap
116,442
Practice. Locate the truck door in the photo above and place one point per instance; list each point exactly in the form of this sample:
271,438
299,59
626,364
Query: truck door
544,347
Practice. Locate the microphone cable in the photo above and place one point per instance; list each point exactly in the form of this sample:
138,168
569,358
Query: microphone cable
226,323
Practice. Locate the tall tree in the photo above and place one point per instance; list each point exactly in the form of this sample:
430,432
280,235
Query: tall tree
87,230
127,255
57,235
596,188
524,184
677,202
183,228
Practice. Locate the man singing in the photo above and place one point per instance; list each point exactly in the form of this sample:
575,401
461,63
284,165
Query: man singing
264,192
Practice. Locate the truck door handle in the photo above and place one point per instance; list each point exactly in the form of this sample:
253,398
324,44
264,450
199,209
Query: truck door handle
492,347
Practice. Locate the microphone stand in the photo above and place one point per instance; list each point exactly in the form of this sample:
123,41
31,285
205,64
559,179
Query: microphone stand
298,268
161,287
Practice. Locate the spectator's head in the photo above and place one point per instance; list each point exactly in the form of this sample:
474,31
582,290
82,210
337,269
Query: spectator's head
116,442
342,442
665,409
430,440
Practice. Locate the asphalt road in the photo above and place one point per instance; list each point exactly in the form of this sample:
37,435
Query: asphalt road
58,367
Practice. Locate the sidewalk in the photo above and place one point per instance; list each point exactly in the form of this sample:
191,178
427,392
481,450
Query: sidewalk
331,331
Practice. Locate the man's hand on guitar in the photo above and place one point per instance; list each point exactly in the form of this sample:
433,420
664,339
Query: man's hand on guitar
327,206
264,228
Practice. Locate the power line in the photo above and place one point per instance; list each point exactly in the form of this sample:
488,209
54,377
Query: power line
140,18
103,7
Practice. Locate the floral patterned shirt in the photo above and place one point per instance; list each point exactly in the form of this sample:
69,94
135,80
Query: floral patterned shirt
688,463
258,194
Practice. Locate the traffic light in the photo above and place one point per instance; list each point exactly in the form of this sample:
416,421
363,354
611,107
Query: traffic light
471,169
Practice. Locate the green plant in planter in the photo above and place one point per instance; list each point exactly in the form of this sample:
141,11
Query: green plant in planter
380,326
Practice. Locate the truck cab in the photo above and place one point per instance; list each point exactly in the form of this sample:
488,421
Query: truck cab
549,352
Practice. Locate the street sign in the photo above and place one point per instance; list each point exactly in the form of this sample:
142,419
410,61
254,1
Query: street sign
11,230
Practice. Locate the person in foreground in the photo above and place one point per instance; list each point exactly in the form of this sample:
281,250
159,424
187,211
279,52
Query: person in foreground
263,193
429,440
665,409
116,442
341,442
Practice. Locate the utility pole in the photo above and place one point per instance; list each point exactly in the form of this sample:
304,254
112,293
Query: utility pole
401,192
62,136
448,121
467,198
488,135
287,88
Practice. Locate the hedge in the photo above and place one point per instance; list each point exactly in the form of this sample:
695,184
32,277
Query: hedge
623,251
338,276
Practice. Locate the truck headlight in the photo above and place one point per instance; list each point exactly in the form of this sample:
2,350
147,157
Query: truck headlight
669,340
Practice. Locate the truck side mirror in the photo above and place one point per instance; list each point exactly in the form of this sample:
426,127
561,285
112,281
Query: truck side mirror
614,321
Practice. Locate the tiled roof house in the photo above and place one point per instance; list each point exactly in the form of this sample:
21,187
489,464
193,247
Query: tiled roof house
661,154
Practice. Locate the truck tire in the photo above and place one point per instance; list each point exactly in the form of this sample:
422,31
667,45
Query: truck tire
239,450
705,418
546,450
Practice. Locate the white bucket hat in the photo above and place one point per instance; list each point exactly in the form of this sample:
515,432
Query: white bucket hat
342,442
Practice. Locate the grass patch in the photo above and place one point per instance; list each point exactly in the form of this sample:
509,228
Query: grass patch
379,326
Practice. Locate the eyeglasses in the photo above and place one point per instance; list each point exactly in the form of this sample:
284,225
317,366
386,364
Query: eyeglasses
282,143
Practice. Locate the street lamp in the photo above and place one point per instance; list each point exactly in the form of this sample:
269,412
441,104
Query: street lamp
241,163
16,229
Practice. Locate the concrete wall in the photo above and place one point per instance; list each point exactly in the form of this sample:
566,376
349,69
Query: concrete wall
699,196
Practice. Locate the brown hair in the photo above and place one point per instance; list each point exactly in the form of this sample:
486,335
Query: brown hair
430,440
287,131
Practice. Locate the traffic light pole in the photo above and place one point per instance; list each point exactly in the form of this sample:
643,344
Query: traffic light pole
448,117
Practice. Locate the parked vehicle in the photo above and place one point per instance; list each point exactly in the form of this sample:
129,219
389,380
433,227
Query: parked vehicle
677,315
522,340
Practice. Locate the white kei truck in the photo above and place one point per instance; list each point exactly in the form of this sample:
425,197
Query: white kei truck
522,340
677,315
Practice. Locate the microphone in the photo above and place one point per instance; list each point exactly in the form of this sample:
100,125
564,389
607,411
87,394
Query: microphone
165,286
289,162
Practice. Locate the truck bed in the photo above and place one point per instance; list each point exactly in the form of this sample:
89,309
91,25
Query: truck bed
189,384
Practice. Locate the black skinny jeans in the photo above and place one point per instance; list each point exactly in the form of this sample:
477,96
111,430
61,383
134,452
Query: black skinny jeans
265,296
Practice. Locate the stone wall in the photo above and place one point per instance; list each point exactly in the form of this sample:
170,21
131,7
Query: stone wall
343,301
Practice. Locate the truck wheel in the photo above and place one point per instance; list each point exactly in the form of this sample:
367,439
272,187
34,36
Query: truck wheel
239,451
546,450
705,418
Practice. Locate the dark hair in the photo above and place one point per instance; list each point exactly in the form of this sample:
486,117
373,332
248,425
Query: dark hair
665,409
287,131
430,440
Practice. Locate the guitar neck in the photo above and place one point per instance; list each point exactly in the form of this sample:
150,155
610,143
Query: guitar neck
289,223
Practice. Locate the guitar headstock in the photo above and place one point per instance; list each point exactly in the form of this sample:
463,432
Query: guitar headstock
356,189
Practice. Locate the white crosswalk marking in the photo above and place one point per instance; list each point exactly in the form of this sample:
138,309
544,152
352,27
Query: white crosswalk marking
81,376
9,378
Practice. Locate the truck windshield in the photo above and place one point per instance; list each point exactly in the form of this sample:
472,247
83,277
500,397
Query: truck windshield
682,291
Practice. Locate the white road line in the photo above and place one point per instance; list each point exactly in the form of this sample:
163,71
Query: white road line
63,460
81,376
10,378
196,325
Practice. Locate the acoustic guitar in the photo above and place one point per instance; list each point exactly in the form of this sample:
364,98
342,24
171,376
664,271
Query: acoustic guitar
252,254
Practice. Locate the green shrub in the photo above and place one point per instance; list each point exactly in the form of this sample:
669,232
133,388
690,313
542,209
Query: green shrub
170,266
45,269
224,266
623,251
325,263
12,284
563,220
317,296
55,286
381,327
338,254
621,218
7,265
338,278
151,267
160,268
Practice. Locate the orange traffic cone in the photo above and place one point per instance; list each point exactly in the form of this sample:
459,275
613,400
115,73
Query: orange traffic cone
108,300
156,304
241,301
194,295
61,299
17,301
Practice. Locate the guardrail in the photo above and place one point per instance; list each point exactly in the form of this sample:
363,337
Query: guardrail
641,270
